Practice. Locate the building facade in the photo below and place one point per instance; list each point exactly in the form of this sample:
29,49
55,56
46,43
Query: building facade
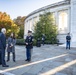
64,13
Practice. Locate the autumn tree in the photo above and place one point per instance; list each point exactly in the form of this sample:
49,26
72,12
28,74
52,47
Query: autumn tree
6,22
20,22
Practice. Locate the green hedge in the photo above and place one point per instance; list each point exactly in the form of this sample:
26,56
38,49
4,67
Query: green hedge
20,42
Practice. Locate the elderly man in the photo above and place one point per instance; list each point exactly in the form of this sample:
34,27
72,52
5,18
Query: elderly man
3,47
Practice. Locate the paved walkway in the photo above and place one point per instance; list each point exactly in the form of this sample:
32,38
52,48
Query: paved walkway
73,44
46,60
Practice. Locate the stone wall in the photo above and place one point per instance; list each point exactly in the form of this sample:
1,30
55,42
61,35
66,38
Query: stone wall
73,20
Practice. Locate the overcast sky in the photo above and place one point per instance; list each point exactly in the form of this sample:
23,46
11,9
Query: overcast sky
23,7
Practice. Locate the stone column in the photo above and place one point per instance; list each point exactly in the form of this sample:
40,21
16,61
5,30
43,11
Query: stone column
73,20
56,17
30,24
69,19
25,29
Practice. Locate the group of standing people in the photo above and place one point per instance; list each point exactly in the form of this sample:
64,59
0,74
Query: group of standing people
10,47
29,44
11,41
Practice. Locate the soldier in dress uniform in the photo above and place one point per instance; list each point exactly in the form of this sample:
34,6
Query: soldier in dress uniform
29,46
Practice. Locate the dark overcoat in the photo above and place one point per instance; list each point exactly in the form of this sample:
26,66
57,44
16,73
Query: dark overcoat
2,41
2,48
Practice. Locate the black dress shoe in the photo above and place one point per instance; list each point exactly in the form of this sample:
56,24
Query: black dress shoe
5,66
26,60
14,61
29,60
7,60
0,63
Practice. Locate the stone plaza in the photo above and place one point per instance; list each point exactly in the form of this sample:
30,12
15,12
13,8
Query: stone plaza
46,60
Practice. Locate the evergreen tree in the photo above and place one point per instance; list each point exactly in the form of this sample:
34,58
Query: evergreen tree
46,25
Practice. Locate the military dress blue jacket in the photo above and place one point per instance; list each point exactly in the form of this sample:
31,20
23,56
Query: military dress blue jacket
29,40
